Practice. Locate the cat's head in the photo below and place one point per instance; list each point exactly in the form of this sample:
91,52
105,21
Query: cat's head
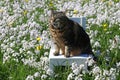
58,19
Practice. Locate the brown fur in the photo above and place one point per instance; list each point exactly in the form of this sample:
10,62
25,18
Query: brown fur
68,36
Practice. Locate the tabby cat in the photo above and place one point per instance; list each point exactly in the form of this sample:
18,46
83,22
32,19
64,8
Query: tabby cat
68,36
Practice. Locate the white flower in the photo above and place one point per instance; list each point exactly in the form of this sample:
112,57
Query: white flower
46,67
43,76
25,45
74,66
29,77
78,77
96,32
96,44
117,38
44,60
76,71
12,37
118,64
81,66
5,58
106,73
33,1
113,77
5,41
29,52
90,61
37,51
12,44
21,50
50,72
15,54
70,76
9,50
112,71
37,74
97,77
46,54
96,71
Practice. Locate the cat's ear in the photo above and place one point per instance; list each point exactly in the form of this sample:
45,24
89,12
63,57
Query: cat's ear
52,12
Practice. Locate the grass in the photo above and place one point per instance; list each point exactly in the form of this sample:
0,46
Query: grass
19,71
14,71
62,72
103,37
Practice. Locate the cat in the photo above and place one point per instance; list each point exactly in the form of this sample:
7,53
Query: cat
68,36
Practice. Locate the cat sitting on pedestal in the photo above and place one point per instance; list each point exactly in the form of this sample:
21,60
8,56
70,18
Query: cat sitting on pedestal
68,36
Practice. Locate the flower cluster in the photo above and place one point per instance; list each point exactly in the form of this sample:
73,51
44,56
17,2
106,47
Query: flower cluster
79,71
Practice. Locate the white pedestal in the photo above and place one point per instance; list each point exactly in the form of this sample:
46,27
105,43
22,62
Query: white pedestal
60,60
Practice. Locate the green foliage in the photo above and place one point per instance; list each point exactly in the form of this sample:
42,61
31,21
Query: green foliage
62,71
4,73
15,71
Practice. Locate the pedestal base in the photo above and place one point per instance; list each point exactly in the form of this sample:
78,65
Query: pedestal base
60,60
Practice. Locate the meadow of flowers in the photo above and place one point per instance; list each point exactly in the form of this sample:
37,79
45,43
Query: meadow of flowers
25,40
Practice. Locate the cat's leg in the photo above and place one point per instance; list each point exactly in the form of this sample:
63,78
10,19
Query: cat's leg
57,49
62,50
67,51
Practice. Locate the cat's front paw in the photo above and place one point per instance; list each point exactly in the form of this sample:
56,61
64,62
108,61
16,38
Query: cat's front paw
56,53
67,55
67,51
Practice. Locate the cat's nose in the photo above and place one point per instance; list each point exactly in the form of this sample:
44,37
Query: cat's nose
55,25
